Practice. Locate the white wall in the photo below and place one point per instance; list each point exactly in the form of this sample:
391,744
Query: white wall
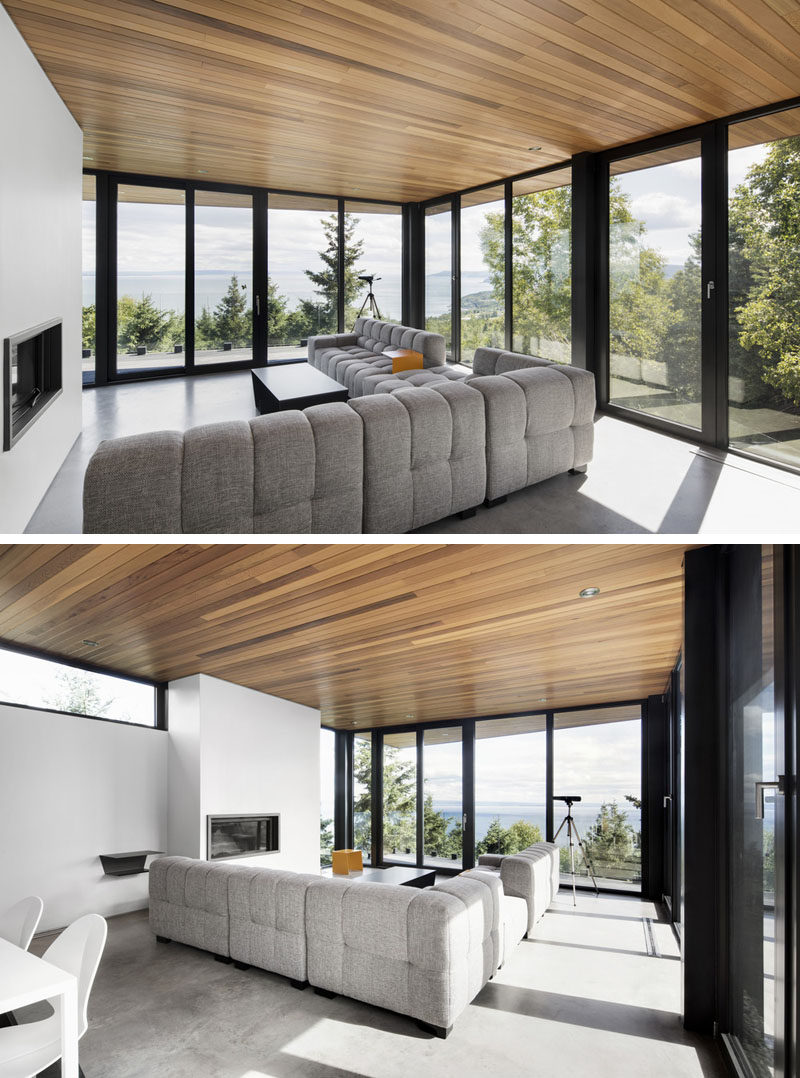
70,789
257,753
41,159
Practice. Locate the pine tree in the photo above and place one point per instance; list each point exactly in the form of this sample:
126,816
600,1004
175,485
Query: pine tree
89,326
326,280
233,319
78,693
144,324
325,843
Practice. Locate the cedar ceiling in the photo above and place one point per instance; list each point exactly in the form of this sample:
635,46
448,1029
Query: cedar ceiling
398,99
371,634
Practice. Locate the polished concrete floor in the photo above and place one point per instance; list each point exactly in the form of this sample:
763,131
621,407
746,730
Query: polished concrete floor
639,481
584,999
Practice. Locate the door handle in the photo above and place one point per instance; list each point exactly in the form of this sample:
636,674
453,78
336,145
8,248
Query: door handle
258,304
709,289
666,799
760,788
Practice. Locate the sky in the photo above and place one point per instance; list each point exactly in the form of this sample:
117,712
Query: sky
27,680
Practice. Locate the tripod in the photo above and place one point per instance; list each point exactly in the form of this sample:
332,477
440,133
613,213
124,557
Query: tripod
369,299
572,829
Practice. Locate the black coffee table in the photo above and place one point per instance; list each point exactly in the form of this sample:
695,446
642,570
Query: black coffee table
397,874
293,385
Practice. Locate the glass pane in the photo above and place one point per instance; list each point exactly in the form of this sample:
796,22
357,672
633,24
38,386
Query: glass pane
510,774
327,743
362,795
302,260
37,682
400,798
483,320
439,272
441,769
597,756
89,332
374,246
753,758
764,279
223,277
655,285
151,297
541,265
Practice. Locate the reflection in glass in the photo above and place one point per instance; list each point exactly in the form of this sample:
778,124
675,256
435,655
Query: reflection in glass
541,265
482,271
302,287
439,272
400,797
376,233
151,258
362,795
223,277
655,285
597,755
442,807
510,775
89,311
764,282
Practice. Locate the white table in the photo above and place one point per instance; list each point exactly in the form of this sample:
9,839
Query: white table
25,979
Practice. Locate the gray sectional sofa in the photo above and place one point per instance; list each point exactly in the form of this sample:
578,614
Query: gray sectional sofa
424,953
398,455
533,874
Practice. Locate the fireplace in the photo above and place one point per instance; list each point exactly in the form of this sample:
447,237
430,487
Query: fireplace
32,377
242,836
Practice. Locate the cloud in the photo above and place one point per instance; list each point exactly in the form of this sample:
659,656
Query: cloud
659,209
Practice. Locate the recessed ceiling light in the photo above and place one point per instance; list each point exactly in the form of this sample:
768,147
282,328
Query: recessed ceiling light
90,643
202,171
410,715
588,593
542,699
88,157
533,149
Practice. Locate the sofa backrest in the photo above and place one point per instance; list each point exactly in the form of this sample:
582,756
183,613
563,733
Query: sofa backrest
424,455
528,875
377,336
285,472
189,902
498,361
403,948
267,909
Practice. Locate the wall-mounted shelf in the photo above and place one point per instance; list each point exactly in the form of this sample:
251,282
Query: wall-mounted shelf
125,864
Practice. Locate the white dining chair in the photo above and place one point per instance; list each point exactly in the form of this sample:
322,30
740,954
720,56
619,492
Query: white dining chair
19,922
28,1048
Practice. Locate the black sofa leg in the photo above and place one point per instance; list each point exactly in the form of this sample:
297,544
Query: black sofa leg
240,965
465,514
300,985
223,958
490,503
581,470
443,1032
324,992
163,939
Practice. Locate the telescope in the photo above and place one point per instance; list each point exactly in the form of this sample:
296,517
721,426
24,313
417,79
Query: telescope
369,299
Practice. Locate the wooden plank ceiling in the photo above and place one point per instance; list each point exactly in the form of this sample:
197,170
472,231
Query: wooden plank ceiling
371,634
398,99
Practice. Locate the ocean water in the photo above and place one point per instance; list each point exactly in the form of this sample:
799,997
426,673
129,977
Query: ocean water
167,289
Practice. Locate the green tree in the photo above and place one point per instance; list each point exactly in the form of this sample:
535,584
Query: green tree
609,841
233,319
399,800
435,830
277,314
764,217
144,323
78,693
326,280
205,330
506,840
325,842
89,326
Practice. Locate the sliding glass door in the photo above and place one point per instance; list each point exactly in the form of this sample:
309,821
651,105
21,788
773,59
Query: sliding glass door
223,277
443,808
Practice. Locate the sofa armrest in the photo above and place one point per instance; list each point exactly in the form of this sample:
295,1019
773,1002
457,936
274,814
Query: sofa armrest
493,859
331,340
133,485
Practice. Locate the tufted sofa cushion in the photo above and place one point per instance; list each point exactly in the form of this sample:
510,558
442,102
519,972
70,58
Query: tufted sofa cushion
423,455
482,894
189,902
532,874
267,910
401,948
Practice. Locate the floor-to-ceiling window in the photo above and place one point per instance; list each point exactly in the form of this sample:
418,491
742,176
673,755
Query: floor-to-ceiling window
374,247
764,286
439,271
327,745
482,271
510,783
597,756
400,797
654,284
541,229
362,795
303,278
151,278
442,793
223,277
89,279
